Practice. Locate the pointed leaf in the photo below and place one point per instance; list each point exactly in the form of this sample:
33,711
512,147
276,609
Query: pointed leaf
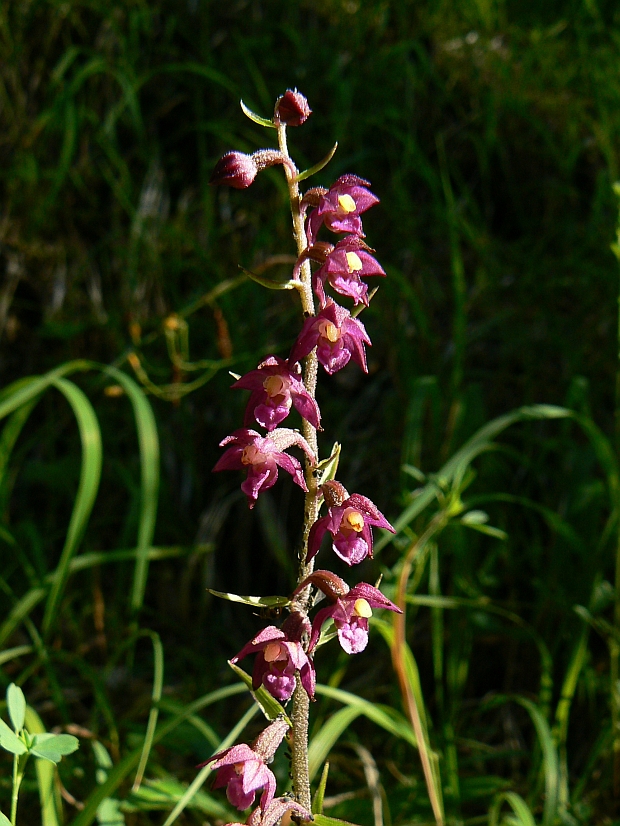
270,707
317,802
256,118
323,820
307,173
255,602
328,468
269,282
16,703
4,821
10,741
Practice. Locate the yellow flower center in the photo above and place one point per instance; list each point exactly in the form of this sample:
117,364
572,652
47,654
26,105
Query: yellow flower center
251,455
362,608
355,521
272,652
328,330
354,262
275,386
346,203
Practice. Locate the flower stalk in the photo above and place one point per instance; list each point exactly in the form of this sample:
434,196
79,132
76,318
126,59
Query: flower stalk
330,337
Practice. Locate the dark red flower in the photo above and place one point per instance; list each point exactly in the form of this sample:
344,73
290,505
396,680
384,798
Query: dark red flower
276,387
349,522
337,337
278,659
340,207
261,457
344,265
350,613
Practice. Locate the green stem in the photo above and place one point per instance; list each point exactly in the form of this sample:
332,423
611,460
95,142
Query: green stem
614,649
301,702
19,765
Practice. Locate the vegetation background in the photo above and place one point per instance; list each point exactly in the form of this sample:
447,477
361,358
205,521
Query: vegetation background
490,131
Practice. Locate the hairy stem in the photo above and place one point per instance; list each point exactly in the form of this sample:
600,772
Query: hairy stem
301,701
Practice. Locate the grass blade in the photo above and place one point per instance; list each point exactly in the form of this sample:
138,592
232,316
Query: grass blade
90,475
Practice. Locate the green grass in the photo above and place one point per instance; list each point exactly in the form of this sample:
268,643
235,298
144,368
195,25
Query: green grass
489,131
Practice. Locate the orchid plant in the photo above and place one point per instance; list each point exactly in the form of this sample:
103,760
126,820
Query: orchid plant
331,335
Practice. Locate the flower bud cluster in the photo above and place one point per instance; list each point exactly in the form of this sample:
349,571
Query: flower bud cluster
284,657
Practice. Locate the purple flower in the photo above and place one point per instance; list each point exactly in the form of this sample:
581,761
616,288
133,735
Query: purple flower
243,769
261,457
343,266
276,386
340,207
292,109
243,772
349,521
337,337
278,658
350,610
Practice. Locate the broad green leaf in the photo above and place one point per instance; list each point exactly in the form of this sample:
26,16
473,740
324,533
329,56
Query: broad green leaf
54,747
256,118
270,707
255,602
4,821
10,741
16,703
109,813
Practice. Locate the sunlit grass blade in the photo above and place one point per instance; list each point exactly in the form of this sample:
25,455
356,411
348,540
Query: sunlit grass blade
90,474
455,468
550,762
158,681
385,717
149,469
323,741
518,806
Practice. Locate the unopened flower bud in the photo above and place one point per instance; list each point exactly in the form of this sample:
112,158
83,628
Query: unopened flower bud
292,109
234,169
